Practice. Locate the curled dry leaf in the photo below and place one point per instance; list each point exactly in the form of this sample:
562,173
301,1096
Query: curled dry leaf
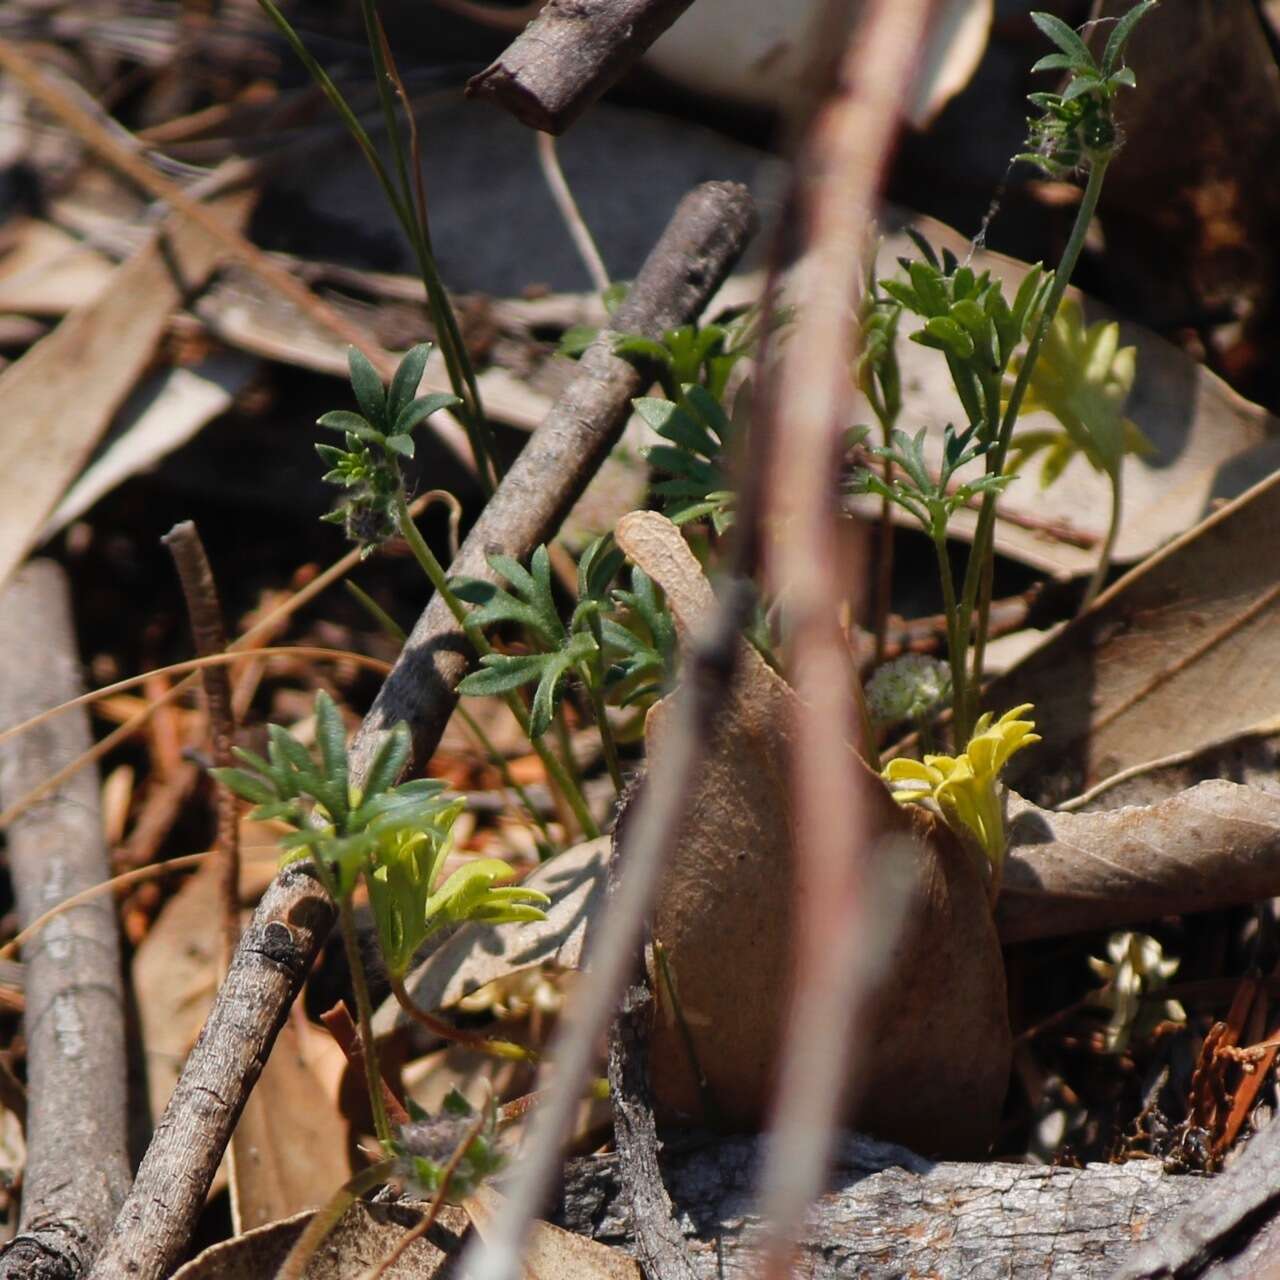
1216,845
1177,655
363,1237
936,1074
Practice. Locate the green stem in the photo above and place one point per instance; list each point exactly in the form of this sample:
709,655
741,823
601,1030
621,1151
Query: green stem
957,645
438,579
593,678
498,760
1104,559
977,575
364,1009
471,1039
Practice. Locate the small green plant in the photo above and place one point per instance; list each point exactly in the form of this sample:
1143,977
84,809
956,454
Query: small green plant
967,319
608,656
1083,378
369,469
395,837
378,438
1134,972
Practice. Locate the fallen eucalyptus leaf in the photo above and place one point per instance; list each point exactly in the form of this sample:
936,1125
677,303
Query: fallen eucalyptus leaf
938,1047
1216,845
1178,654
364,1235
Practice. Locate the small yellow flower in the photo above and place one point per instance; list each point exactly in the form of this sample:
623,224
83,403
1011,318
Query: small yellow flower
965,789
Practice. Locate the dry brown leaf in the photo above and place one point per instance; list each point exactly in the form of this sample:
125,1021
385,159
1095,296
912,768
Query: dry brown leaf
48,271
289,1149
551,1253
1210,442
936,1066
1216,845
365,1235
477,954
64,391
1179,653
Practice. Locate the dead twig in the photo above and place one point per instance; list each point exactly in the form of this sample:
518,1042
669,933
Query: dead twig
659,1240
77,1170
569,55
201,594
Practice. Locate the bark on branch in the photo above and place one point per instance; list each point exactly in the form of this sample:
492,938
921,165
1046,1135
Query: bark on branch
888,1212
569,55
77,1169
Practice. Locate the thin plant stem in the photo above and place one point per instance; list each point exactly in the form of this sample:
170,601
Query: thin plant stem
884,568
957,655
579,232
977,585
438,579
364,1012
471,1039
593,678
326,1218
499,761
1113,529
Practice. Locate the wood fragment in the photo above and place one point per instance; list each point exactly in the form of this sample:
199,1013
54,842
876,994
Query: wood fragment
201,594
77,1170
659,1242
887,1212
569,55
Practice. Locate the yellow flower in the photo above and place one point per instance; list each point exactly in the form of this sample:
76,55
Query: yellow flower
965,789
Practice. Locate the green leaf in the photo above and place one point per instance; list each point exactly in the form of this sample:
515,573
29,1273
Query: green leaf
949,336
637,347
404,385
350,423
502,672
247,786
389,760
576,339
402,445
331,735
1080,87
1124,78
370,394
1055,62
419,410
1121,33
1065,38
928,286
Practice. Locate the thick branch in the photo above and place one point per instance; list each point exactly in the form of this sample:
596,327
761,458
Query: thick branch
77,1170
570,54
888,1212
696,252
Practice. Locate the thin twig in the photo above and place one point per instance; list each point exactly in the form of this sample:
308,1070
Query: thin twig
201,594
842,168
569,55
